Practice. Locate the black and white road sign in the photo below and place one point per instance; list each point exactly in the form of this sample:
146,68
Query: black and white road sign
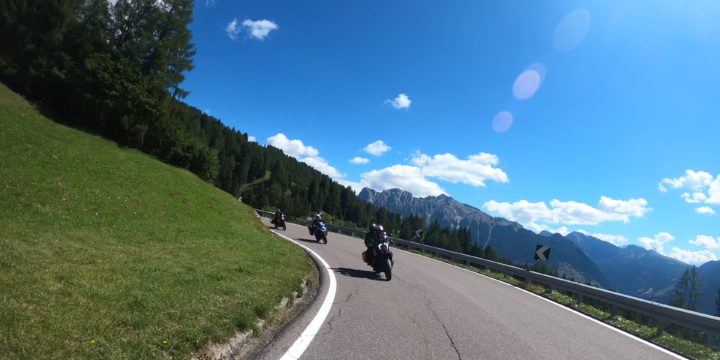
418,234
542,252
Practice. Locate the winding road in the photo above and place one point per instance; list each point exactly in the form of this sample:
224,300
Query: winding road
433,310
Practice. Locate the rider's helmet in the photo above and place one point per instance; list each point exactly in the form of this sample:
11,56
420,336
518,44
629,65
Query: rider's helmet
378,231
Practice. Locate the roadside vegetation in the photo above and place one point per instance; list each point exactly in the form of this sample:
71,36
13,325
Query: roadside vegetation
106,252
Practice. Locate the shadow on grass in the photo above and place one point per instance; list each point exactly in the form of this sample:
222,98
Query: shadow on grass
361,274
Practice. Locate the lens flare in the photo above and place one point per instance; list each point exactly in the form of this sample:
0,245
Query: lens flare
526,84
571,30
502,122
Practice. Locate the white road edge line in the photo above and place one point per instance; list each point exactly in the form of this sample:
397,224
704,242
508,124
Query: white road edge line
661,349
300,345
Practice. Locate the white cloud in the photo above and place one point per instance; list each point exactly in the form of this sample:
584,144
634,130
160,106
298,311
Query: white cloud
209,3
408,178
359,160
322,165
569,212
259,29
617,240
708,242
355,186
694,198
695,180
563,230
377,148
232,29
473,171
699,257
401,101
656,242
632,207
256,29
662,188
693,257
252,138
705,210
703,187
306,154
294,148
714,192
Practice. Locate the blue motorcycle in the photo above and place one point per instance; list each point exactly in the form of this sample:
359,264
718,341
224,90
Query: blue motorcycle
320,230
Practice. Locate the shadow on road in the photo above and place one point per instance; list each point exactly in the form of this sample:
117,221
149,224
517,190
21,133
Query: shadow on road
362,274
307,240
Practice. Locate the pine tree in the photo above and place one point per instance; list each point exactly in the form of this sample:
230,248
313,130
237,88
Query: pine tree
694,293
687,290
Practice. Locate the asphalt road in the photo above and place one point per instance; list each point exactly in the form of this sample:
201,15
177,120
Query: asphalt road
432,310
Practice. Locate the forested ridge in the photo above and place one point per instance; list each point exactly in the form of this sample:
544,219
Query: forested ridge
115,70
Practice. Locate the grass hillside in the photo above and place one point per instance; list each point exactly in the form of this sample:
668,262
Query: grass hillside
108,253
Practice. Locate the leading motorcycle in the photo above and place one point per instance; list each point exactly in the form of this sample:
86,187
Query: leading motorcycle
382,259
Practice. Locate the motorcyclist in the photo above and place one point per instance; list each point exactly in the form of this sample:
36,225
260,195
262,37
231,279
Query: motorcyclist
374,236
316,219
277,216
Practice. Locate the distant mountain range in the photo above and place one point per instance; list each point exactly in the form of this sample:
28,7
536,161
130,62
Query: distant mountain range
631,270
508,238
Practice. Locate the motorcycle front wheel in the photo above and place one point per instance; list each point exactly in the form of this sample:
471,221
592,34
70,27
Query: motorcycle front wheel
388,270
325,239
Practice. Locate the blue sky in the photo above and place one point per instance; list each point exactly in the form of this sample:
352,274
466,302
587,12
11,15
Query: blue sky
601,117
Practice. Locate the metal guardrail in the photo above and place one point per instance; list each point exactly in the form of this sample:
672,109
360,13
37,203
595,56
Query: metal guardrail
665,314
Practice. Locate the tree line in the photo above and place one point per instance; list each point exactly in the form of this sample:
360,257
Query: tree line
112,70
116,69
686,292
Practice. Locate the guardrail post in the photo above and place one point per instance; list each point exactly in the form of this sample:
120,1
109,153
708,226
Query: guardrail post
714,341
613,310
660,328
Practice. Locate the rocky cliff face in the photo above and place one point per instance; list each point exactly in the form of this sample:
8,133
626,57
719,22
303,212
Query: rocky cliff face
446,210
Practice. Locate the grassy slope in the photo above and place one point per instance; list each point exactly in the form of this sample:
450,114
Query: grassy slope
108,253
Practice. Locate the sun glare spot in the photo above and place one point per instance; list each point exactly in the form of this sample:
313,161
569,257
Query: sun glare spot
571,30
502,122
526,84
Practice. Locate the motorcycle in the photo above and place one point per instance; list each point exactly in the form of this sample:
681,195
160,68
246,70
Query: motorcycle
320,230
382,260
279,222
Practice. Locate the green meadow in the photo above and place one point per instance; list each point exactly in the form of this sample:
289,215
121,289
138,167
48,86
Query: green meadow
108,253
